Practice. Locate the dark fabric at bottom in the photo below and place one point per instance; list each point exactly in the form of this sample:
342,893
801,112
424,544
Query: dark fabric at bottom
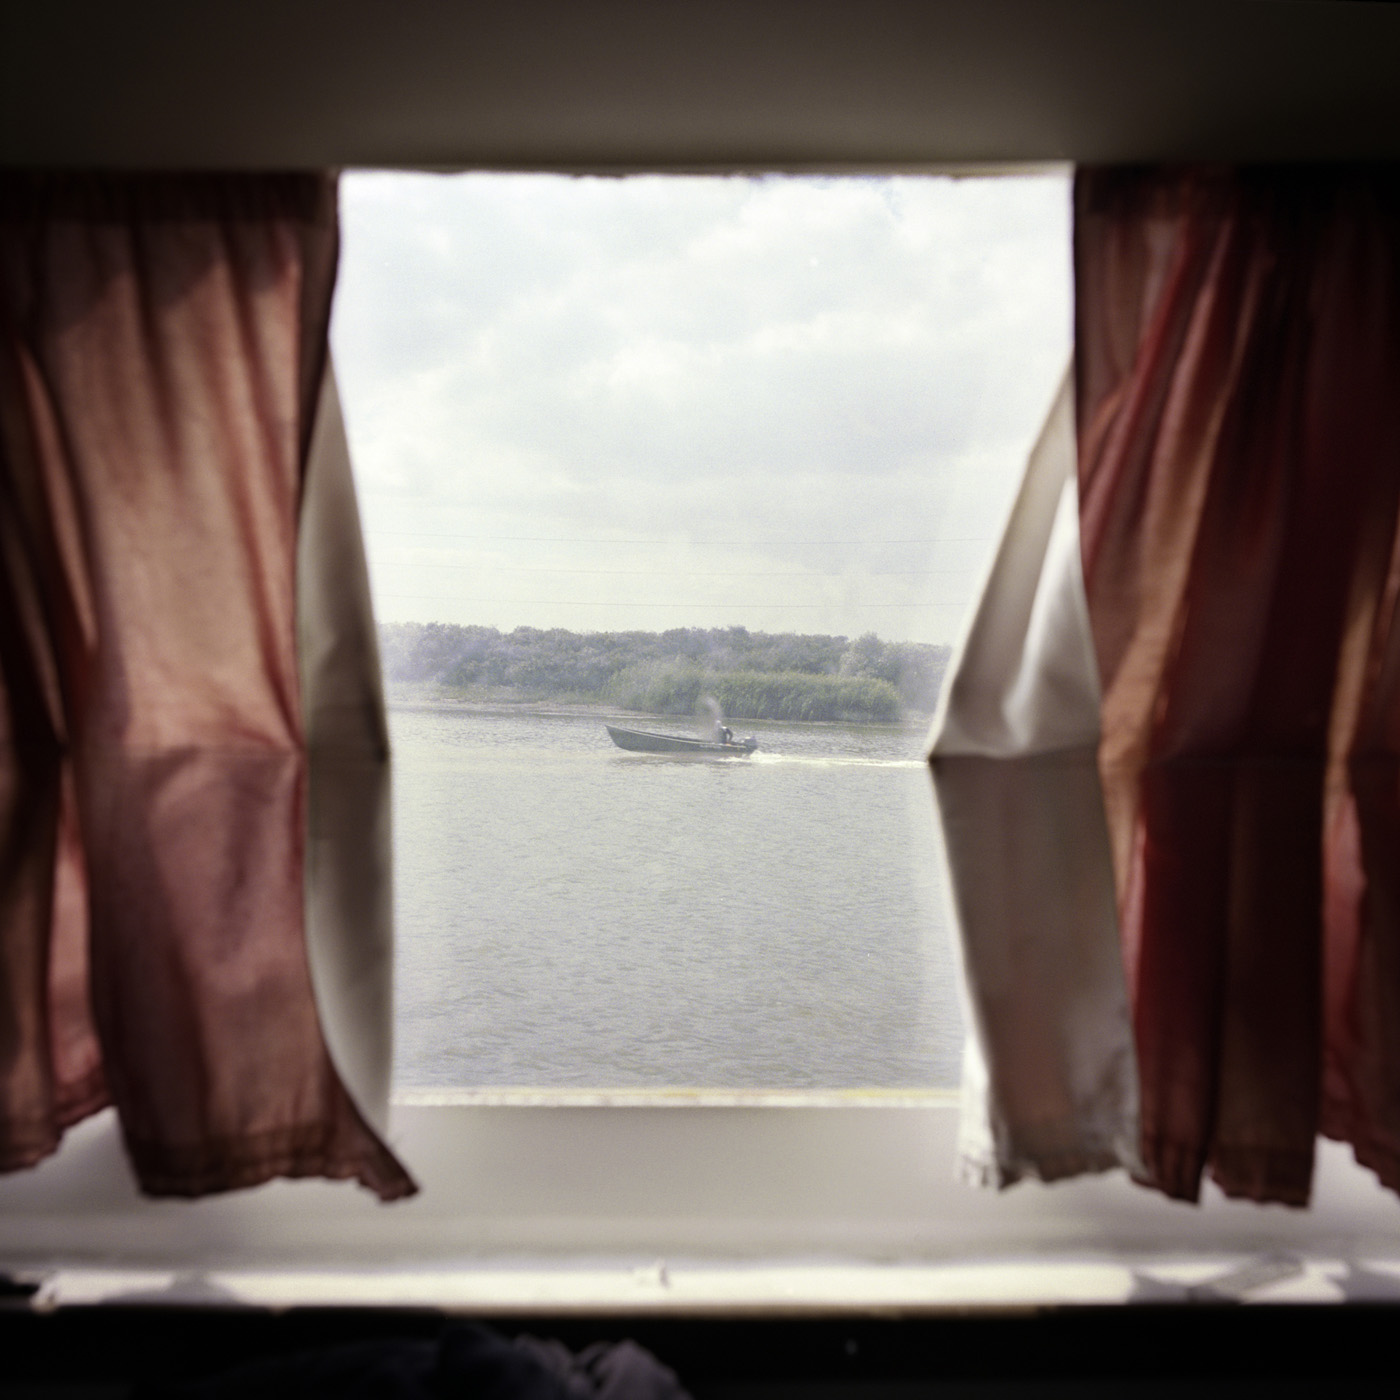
469,1362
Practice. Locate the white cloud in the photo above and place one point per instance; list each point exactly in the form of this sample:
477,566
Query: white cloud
727,360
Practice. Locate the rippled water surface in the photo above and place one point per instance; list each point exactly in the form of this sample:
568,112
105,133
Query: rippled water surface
572,915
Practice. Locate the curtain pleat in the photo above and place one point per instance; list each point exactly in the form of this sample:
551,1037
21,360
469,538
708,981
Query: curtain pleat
1238,393
1050,1084
162,351
349,874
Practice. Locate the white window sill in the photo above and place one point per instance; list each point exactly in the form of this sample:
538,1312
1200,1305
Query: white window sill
679,1202
697,1289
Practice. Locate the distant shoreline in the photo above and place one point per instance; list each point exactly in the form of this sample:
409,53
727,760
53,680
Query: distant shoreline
397,699
752,676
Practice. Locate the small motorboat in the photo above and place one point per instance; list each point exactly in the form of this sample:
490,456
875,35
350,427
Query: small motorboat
641,741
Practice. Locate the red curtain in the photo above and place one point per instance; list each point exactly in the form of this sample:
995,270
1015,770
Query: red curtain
162,348
1238,394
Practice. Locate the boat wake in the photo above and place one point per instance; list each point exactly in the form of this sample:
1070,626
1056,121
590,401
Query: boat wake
833,761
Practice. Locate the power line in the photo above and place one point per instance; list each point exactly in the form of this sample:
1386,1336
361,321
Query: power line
681,573
672,541
583,603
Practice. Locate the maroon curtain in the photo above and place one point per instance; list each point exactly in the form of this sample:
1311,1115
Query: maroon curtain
162,345
1238,341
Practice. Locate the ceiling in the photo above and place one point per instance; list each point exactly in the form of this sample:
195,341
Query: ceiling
617,84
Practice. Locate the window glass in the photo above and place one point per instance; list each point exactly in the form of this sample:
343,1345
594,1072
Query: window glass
670,454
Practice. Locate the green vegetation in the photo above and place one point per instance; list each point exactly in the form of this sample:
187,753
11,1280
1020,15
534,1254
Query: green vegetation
753,675
675,688
794,695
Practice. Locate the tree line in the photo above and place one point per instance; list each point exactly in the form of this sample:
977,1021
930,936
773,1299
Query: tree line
753,675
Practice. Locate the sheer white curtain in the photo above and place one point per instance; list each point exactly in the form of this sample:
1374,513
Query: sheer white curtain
1050,1082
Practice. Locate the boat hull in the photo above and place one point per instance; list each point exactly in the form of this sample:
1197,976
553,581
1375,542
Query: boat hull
642,741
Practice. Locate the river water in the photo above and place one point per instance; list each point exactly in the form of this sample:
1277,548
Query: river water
569,915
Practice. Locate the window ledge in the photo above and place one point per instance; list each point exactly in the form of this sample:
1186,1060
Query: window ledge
694,1288
809,1207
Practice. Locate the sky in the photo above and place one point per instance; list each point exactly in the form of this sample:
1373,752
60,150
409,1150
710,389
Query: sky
795,404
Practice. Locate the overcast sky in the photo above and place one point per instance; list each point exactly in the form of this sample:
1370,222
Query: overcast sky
796,404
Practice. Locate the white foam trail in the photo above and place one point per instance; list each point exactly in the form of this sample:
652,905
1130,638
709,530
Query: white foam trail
834,760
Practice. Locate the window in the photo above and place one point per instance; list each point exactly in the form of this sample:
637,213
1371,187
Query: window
856,1183
631,450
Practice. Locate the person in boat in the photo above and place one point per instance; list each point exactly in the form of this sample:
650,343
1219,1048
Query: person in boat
723,733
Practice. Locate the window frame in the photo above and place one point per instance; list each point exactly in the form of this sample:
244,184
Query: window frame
657,1200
